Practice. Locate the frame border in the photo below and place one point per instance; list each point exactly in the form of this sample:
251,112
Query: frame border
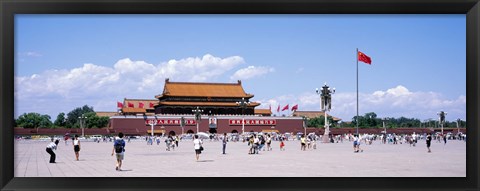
8,9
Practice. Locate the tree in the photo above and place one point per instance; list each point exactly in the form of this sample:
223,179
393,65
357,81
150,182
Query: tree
72,116
60,121
33,120
92,120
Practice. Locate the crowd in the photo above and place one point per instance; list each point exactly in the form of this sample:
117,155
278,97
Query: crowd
260,142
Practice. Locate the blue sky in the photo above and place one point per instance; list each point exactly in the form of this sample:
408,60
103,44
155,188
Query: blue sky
418,61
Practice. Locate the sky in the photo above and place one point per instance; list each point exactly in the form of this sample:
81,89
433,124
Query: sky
418,61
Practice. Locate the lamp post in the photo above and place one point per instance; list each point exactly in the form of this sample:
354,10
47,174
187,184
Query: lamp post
82,123
305,120
198,116
326,105
243,105
384,127
152,123
458,125
441,119
182,123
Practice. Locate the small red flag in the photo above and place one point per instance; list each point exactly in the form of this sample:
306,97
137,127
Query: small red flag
295,107
130,104
285,108
364,58
278,109
140,105
151,104
119,105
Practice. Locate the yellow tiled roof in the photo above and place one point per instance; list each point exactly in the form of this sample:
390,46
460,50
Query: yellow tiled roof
194,89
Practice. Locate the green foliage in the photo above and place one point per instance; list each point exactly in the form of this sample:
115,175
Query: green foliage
72,117
60,121
33,120
319,122
94,121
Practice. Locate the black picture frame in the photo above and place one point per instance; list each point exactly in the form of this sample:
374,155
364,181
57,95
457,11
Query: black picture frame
8,8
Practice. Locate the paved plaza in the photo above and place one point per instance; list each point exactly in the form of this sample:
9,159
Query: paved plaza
328,160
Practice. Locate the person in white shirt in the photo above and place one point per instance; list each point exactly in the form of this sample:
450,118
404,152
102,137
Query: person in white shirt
49,150
197,144
76,146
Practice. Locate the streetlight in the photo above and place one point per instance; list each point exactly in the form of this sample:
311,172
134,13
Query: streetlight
152,122
458,125
385,128
182,123
82,123
326,105
198,115
441,119
305,120
243,104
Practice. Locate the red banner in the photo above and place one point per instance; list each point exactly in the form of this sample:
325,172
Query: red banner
169,121
252,122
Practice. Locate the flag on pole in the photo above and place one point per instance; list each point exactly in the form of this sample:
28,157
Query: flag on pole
285,108
130,104
140,105
364,58
270,107
119,105
278,109
295,107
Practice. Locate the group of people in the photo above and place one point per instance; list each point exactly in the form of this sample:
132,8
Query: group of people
54,144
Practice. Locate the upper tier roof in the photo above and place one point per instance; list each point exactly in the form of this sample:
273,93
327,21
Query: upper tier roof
196,89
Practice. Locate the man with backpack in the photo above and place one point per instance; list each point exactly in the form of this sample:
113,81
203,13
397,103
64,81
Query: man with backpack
119,150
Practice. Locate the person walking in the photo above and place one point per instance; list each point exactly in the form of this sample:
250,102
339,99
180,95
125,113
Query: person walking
303,143
197,145
429,141
50,147
269,142
224,142
119,150
444,139
76,146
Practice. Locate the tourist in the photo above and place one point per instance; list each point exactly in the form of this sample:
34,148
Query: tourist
224,142
429,140
269,142
168,142
303,143
76,146
119,150
49,150
356,142
256,143
197,145
282,144
176,140
158,140
444,139
250,143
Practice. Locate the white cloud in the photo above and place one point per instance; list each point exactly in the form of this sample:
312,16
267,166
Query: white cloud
30,54
126,78
394,102
251,72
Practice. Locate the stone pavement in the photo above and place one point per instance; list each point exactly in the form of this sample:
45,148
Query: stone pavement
328,160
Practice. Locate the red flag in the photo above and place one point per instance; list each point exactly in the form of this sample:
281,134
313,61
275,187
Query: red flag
270,107
151,104
278,109
364,58
119,105
140,105
285,108
295,107
130,104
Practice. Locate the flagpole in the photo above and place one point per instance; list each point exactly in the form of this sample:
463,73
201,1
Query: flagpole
357,92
